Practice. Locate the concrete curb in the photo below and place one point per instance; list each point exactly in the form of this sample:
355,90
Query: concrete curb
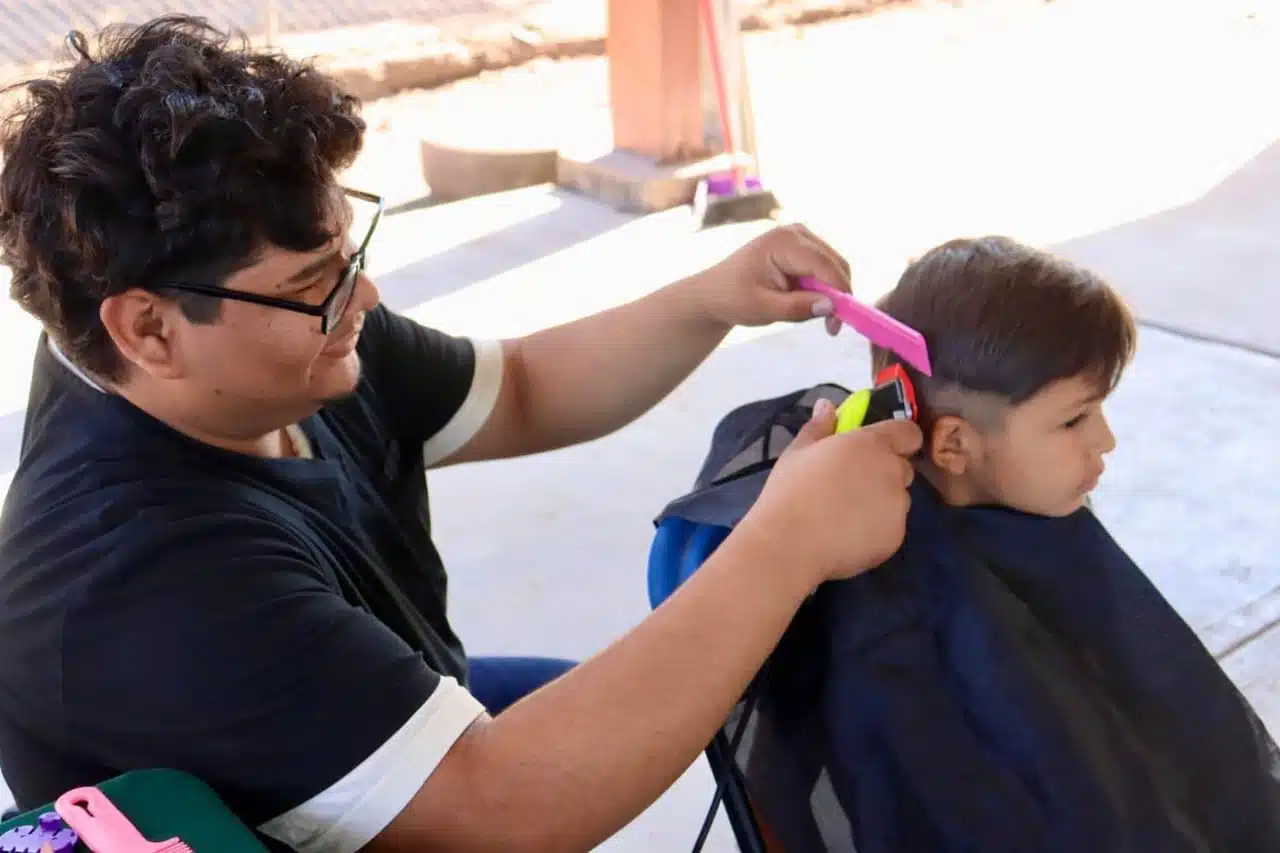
456,172
505,45
450,61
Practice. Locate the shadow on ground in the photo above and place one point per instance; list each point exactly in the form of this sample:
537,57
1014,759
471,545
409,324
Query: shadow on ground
490,254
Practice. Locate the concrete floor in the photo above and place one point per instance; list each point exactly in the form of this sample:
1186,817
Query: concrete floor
1165,178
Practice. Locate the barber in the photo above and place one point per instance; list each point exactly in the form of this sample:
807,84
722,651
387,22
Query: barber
216,553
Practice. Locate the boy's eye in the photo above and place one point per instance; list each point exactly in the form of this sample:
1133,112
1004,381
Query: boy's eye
1076,421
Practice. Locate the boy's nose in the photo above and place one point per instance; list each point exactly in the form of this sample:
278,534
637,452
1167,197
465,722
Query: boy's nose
1106,438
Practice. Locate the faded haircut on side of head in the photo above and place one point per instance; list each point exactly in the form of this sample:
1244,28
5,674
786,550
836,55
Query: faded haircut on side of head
1003,321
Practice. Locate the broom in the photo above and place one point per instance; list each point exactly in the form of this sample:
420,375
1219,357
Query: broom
739,199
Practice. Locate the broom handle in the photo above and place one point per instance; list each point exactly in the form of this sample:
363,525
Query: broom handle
722,94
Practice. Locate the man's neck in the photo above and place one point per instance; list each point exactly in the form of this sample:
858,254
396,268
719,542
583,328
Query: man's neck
265,439
74,369
273,443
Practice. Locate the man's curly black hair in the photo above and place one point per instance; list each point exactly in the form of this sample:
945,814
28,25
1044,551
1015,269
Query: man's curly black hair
168,154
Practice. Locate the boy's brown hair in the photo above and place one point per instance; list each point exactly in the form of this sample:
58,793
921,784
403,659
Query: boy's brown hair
1004,320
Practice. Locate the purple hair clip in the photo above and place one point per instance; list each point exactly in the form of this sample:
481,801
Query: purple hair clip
31,839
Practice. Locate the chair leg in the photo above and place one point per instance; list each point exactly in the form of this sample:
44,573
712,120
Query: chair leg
737,807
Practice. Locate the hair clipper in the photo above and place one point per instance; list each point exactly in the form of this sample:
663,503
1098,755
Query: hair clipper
893,397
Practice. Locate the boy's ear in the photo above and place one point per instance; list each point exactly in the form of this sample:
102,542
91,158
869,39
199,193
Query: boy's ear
953,445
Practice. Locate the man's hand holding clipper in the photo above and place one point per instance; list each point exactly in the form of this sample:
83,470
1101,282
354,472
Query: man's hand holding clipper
835,505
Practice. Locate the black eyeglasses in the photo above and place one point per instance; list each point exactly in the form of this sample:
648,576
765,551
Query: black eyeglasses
334,306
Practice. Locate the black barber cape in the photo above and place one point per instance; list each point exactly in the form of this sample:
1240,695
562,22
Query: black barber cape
1004,684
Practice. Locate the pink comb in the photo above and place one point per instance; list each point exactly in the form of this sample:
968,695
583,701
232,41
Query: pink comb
103,829
876,326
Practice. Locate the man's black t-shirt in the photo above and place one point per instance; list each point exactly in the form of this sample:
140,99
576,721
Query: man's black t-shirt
275,627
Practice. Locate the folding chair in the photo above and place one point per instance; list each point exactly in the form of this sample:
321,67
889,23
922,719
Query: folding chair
772,749
771,744
679,549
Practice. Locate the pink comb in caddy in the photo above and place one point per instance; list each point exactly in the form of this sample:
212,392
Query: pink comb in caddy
104,829
876,326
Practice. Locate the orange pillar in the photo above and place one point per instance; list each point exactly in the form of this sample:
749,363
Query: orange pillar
654,53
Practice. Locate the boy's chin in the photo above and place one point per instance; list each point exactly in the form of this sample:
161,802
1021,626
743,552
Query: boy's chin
1071,508
1067,508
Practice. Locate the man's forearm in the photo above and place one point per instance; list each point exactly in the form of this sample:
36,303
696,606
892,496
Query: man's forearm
590,377
570,765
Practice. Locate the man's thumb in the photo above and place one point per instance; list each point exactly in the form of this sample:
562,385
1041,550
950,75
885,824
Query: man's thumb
903,437
821,424
800,305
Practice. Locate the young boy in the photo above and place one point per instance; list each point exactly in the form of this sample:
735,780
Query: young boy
1010,681
1025,347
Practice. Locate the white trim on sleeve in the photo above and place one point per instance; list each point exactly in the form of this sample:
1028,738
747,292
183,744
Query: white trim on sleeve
350,812
475,409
